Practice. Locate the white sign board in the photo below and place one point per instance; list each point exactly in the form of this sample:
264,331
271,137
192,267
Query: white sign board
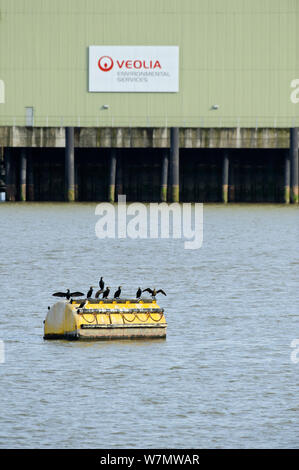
134,69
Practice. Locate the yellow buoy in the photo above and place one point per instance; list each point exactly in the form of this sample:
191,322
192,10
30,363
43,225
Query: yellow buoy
105,319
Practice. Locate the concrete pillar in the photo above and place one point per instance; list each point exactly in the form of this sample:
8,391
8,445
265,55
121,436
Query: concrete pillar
30,177
174,164
112,176
164,175
23,174
231,181
287,178
69,164
294,164
225,172
76,182
10,175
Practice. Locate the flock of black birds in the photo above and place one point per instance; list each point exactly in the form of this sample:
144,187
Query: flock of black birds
105,293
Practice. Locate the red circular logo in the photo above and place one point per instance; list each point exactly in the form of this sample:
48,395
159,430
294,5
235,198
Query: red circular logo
105,63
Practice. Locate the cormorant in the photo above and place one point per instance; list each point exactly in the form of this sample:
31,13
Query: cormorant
101,283
98,293
82,305
106,292
154,292
89,293
138,293
68,294
117,293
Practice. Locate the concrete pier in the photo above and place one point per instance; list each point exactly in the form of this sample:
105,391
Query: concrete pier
112,176
30,176
174,165
225,174
23,175
10,175
294,138
69,164
150,165
164,175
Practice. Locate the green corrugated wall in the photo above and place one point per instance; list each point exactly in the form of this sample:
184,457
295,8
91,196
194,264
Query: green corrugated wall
239,54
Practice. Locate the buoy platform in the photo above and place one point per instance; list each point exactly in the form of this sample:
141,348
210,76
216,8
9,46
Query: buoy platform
102,319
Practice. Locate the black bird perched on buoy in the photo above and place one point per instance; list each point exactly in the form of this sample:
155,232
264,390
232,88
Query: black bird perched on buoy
138,293
89,293
106,292
154,292
98,293
82,305
117,293
68,294
101,283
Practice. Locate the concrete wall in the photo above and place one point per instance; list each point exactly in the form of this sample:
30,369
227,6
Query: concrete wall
146,137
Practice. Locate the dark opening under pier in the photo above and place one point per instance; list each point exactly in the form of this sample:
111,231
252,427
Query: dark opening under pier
149,165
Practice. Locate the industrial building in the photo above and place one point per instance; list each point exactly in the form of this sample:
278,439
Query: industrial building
172,100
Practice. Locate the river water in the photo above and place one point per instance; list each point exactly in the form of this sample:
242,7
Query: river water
224,377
